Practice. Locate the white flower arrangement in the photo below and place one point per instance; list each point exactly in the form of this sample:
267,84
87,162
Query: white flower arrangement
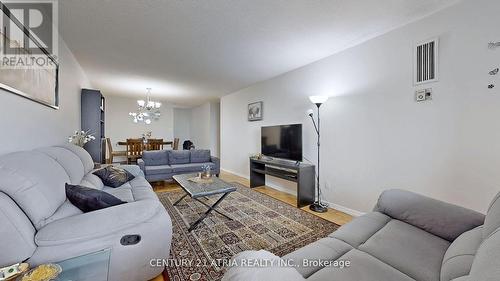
80,138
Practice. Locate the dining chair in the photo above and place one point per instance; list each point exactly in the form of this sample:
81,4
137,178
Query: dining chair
175,144
154,144
112,154
134,150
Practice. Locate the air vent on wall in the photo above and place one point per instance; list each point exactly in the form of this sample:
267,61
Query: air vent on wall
426,62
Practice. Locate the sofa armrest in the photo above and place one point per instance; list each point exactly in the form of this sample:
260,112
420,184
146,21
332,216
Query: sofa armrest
16,232
442,219
96,224
216,161
260,265
135,170
142,165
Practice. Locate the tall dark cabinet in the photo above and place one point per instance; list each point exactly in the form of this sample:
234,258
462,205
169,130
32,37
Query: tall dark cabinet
93,116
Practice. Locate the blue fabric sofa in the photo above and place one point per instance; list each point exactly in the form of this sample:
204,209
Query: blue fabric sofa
164,164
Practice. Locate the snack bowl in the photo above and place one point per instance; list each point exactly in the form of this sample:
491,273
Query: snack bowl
44,272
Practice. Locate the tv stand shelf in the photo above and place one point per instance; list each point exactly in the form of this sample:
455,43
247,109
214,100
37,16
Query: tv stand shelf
301,173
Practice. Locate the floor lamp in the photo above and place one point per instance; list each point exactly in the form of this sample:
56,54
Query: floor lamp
317,206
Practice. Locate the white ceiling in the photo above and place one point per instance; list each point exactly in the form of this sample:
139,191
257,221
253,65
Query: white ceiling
192,51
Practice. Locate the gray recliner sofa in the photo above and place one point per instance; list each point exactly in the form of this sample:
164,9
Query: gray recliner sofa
407,237
39,225
164,164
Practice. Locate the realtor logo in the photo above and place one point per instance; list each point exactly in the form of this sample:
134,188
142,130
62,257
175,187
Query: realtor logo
29,33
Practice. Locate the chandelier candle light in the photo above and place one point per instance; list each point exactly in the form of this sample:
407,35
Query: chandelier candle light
147,110
317,206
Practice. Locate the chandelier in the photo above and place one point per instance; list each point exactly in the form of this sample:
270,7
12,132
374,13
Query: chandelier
147,110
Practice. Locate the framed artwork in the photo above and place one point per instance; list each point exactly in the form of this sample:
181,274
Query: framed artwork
255,111
36,82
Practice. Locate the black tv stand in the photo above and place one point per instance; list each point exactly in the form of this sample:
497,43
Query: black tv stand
301,173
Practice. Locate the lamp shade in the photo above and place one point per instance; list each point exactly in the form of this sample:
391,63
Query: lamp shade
318,99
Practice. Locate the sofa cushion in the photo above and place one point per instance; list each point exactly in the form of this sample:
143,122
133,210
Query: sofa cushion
113,176
459,257
140,182
35,181
16,233
67,209
93,181
179,157
492,221
70,162
143,193
363,267
154,158
190,168
361,228
157,170
268,269
437,217
409,249
325,249
486,265
90,199
85,158
135,170
124,194
200,156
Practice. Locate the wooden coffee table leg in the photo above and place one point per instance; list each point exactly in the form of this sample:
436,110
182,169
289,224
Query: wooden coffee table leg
210,209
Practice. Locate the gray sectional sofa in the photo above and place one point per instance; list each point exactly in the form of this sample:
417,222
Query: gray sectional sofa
39,225
163,164
407,237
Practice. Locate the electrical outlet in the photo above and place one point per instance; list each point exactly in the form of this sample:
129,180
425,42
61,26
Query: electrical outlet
423,95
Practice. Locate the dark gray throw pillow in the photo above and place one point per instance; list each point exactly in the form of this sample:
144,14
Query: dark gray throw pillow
113,176
88,199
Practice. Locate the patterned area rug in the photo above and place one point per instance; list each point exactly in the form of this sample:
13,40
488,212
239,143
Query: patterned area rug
259,222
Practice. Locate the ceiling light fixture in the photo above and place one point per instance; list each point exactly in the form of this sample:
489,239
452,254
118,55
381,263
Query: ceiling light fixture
147,110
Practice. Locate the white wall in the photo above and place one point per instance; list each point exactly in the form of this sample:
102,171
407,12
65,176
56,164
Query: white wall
182,124
205,127
25,124
200,126
215,128
119,125
375,136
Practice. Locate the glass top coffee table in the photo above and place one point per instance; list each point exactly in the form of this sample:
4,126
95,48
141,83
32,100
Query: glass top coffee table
89,267
198,190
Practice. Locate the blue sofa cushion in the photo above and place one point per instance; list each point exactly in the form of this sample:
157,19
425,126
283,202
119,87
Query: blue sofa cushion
89,199
158,170
192,167
179,157
200,156
155,158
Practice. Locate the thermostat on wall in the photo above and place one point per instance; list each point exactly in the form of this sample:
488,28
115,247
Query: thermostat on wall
423,95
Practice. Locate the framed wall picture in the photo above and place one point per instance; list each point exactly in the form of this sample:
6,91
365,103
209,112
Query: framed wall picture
31,72
255,111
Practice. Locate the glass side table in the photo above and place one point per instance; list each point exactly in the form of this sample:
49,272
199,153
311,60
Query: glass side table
90,267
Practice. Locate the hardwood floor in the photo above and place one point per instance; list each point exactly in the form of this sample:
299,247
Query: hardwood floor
332,215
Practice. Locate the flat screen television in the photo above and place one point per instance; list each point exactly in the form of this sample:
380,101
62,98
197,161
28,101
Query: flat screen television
283,141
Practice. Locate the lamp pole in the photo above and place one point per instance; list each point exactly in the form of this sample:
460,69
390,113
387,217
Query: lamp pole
317,206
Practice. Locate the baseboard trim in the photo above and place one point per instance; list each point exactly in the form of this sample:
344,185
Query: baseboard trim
234,173
349,211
